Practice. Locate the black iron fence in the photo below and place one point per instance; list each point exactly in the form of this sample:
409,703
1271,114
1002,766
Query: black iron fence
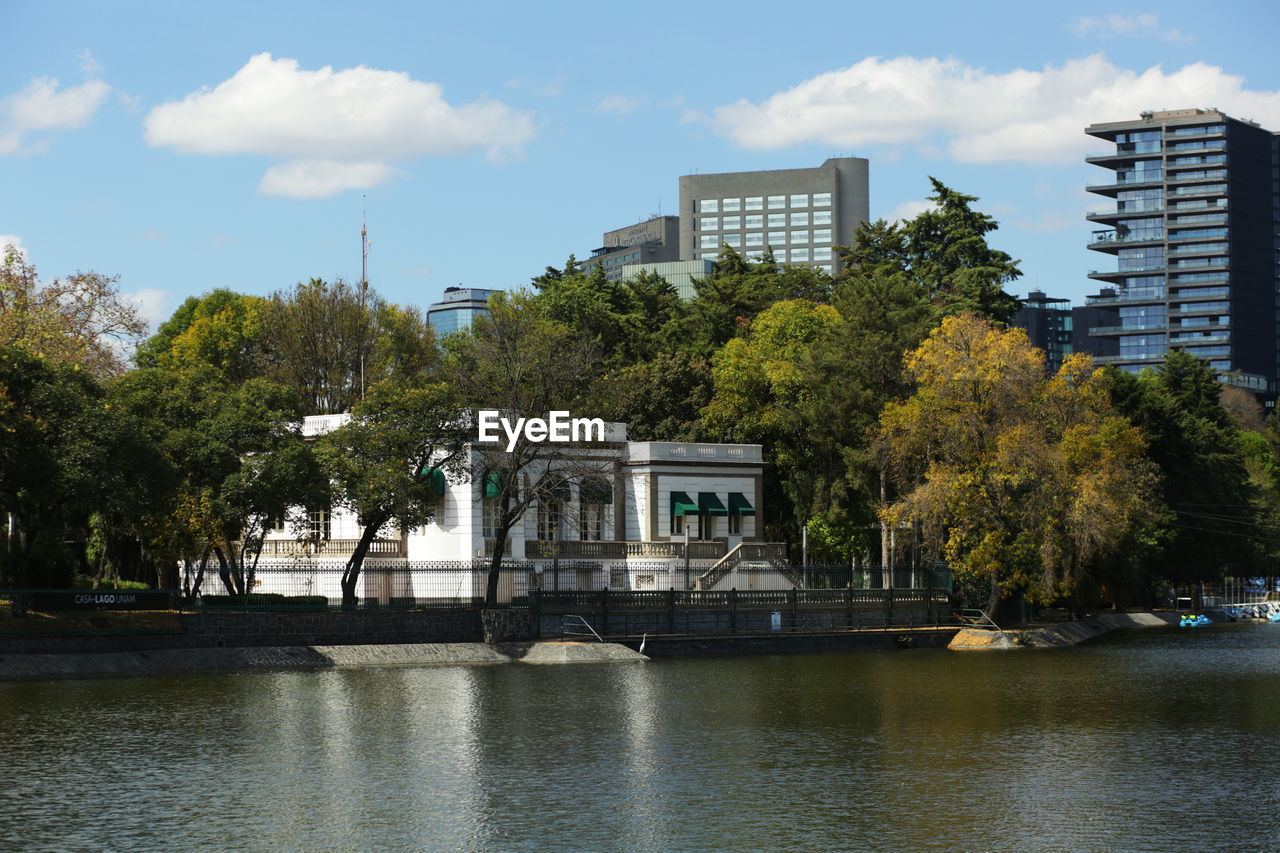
673,611
317,584
384,582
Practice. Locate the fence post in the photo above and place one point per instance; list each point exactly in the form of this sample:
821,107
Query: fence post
889,600
848,598
795,608
928,605
733,610
535,605
604,610
671,610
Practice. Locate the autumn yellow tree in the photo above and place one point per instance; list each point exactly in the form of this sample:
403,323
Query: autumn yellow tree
81,319
1019,480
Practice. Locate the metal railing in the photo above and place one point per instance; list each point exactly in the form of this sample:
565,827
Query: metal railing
972,617
573,625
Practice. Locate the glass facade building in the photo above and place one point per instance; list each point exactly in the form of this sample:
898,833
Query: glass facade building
1048,324
1195,235
456,310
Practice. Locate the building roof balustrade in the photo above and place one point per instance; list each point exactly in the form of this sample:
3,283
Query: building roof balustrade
660,451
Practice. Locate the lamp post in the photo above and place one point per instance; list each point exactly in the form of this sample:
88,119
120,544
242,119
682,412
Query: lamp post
804,553
686,552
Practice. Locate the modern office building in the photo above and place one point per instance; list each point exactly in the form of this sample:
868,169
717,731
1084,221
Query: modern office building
1047,322
656,240
1194,233
456,310
680,274
799,214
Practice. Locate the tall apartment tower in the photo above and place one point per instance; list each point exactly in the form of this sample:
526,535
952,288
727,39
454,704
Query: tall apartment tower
1194,232
799,214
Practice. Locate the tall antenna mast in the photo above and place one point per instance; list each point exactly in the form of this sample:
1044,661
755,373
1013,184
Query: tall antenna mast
364,275
364,249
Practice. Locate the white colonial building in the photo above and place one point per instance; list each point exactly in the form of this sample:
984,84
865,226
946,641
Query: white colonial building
633,515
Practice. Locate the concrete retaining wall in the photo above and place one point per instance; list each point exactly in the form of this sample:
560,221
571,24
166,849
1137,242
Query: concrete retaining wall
784,643
42,667
238,630
1061,634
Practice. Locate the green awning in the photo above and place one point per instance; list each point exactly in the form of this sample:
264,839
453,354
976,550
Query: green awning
435,479
493,483
596,490
709,504
739,505
682,504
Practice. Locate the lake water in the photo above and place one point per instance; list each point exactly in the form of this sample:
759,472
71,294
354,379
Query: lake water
1145,740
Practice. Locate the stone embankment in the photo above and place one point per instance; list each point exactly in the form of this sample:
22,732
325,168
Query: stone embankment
15,667
1058,634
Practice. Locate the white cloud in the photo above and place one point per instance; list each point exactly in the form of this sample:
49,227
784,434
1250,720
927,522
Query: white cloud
1050,221
979,117
88,64
542,90
909,210
12,240
153,305
151,235
358,117
323,178
1138,26
43,106
621,104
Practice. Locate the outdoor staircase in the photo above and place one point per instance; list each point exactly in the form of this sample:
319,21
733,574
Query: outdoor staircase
755,554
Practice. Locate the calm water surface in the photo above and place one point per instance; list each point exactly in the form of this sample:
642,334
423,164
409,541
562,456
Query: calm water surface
1157,740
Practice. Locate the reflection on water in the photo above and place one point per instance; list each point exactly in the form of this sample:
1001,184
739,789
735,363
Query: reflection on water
1143,741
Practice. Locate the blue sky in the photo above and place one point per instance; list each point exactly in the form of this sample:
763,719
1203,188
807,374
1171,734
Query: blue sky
188,146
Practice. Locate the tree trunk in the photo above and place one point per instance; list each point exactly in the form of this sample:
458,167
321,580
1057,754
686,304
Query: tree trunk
495,568
228,573
507,521
351,573
885,548
993,600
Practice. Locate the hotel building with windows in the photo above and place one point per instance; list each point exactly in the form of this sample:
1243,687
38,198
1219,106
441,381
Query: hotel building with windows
654,241
798,214
1194,233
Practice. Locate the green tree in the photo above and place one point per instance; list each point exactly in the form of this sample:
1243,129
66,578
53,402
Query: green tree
520,362
762,393
329,341
855,369
947,251
1210,523
65,452
738,290
243,461
390,461
659,399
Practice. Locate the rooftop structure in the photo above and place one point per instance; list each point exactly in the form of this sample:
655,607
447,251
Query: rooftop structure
655,240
